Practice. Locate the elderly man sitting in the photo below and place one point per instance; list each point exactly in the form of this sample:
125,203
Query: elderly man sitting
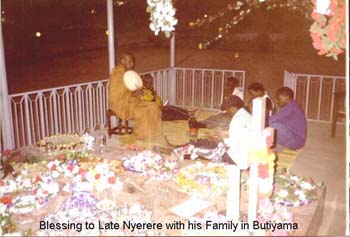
127,104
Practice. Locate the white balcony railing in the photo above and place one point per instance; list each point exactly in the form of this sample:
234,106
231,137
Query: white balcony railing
81,107
315,93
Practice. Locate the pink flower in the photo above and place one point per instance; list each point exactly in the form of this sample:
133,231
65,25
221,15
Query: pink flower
263,171
111,180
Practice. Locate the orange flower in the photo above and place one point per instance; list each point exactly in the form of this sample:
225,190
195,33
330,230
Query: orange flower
6,200
62,157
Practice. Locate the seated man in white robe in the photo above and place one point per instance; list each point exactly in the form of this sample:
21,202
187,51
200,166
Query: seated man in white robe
240,130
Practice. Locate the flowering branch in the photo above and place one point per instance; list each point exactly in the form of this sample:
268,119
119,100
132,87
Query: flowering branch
328,31
162,16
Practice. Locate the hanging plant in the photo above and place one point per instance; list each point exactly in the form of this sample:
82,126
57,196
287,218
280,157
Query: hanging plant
328,31
162,16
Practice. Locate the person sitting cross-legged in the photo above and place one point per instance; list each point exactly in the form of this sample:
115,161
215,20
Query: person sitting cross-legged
239,132
290,121
127,104
169,112
222,119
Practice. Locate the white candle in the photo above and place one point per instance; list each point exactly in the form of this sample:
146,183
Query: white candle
253,192
233,193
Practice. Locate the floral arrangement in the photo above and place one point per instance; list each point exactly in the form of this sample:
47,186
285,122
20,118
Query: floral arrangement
328,30
264,157
8,159
151,165
99,177
275,213
25,194
6,223
197,152
61,142
162,16
203,180
293,190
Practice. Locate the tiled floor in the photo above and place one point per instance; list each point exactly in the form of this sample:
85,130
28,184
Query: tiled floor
324,159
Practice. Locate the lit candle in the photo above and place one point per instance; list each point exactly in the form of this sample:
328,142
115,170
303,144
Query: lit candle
233,193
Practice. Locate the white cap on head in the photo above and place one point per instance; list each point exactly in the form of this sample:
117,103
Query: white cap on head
132,80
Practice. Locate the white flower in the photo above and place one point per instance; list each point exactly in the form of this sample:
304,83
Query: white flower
2,209
66,188
118,185
306,185
24,172
55,174
53,188
300,194
283,193
162,16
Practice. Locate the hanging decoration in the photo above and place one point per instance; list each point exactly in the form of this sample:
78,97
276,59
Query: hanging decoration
236,11
162,16
328,29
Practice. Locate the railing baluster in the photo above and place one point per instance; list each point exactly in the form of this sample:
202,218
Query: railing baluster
222,86
41,112
183,86
81,119
17,128
46,117
27,118
212,90
55,112
192,88
332,104
307,97
68,108
94,112
202,96
31,120
319,98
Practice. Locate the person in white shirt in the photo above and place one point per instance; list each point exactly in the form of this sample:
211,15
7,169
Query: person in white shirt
240,130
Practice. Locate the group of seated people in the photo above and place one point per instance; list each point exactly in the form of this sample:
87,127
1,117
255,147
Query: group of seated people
146,109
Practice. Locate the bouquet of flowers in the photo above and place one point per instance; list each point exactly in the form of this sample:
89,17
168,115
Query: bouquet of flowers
162,16
328,31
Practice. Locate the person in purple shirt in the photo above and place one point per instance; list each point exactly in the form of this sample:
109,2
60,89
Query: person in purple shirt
290,121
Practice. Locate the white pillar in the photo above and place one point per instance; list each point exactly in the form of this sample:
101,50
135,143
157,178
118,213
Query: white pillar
6,116
172,70
110,35
172,50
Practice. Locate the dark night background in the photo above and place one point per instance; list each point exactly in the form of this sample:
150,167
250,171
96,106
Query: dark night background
78,29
